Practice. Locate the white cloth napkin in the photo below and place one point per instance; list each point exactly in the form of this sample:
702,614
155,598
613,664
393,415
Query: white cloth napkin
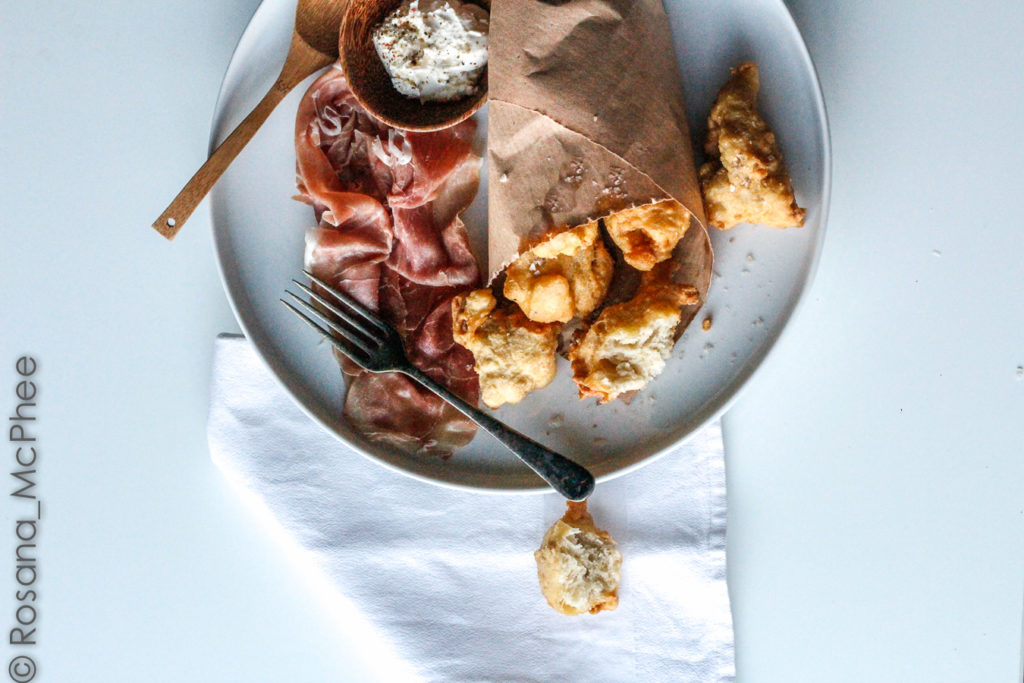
446,580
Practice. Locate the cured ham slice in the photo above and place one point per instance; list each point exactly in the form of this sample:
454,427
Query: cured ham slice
387,205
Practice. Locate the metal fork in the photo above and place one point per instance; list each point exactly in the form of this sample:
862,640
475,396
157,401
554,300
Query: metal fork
374,345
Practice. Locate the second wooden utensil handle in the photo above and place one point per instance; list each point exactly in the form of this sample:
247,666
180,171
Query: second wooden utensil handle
302,61
174,217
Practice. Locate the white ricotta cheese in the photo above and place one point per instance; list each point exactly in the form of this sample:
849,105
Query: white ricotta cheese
434,50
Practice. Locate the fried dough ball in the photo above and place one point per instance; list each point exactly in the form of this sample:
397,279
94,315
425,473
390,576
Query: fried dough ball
628,344
648,234
565,275
513,354
579,565
745,179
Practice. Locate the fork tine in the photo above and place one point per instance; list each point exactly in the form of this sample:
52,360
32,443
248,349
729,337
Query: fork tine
355,354
352,320
369,346
351,303
362,344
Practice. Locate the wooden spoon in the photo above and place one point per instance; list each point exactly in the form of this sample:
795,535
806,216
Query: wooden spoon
314,45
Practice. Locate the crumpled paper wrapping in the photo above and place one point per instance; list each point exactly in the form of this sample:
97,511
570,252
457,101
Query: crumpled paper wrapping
586,118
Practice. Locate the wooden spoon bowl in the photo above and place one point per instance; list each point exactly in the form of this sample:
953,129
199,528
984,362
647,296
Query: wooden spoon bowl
371,84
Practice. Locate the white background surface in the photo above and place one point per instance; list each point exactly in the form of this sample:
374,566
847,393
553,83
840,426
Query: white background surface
875,465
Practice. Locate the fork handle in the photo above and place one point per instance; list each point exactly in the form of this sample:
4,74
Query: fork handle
570,479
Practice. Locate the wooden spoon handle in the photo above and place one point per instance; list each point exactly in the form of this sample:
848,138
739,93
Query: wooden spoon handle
175,215
302,61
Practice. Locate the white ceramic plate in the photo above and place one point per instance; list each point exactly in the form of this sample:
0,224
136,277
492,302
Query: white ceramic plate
760,273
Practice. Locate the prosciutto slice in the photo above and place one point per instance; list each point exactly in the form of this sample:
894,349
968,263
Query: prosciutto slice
387,206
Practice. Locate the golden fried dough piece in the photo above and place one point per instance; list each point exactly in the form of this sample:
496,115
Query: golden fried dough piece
579,565
745,179
513,354
628,344
565,275
648,234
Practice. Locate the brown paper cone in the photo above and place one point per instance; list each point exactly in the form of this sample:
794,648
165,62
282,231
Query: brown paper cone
586,118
